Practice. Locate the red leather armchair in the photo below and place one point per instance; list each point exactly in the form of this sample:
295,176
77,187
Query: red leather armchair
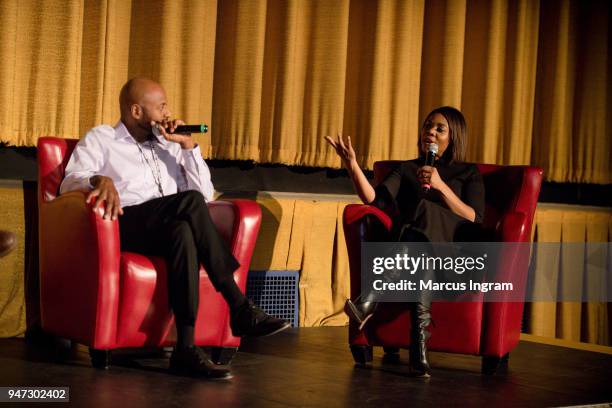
94,294
488,329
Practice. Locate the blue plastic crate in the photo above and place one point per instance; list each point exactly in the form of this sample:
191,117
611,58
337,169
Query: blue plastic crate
276,292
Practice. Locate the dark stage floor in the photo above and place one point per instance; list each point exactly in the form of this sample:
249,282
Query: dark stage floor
313,367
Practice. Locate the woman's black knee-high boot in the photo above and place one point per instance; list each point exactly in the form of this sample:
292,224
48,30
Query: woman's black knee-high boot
420,318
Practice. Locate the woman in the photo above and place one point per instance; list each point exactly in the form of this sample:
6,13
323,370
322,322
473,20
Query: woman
453,202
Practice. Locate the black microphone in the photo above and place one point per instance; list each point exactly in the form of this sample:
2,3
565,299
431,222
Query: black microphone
432,150
202,128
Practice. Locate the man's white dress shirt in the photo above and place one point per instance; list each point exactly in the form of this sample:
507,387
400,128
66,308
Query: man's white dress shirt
113,152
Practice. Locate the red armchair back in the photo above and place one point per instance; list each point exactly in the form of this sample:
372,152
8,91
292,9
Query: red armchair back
490,329
93,293
508,189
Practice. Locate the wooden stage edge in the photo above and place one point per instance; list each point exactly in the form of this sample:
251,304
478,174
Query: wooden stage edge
566,343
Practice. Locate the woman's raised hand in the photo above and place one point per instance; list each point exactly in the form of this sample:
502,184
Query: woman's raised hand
344,150
349,160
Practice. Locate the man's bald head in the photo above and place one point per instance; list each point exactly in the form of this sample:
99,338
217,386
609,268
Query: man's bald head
134,92
143,102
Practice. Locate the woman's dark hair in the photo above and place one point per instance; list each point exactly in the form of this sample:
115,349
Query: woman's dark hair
457,133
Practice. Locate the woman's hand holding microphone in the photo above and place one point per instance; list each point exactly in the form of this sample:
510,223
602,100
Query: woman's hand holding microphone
428,175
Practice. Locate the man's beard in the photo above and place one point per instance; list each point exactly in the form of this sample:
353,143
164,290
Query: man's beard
145,124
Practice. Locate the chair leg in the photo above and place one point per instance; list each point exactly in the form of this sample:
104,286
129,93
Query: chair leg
361,354
490,364
100,359
62,349
59,348
222,355
35,336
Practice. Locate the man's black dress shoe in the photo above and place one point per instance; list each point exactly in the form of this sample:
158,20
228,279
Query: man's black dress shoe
193,362
250,320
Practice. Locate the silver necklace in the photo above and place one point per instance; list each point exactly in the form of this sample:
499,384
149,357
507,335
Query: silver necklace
155,171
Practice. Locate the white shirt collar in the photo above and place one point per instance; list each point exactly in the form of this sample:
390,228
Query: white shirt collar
122,132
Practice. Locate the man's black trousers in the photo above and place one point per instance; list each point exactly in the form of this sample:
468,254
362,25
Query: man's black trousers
179,228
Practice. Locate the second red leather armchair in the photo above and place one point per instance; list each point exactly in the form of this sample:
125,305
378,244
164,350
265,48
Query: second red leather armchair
487,329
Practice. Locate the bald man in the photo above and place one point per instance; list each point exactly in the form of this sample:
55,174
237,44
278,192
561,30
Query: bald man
157,184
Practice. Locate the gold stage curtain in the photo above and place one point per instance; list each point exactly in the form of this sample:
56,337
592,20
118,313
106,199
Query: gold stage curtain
574,321
273,77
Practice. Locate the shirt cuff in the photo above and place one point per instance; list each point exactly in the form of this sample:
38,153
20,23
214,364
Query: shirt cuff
192,154
195,146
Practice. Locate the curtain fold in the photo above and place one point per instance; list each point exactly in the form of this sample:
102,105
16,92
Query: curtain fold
273,77
41,57
499,79
571,141
104,61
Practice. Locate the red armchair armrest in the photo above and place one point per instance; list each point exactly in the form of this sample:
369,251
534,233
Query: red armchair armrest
238,222
503,317
241,232
356,212
513,227
79,290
